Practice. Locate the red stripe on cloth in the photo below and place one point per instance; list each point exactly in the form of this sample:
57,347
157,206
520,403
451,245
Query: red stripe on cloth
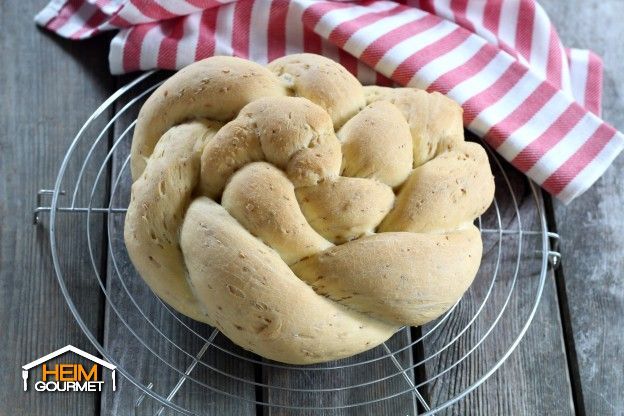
207,29
310,18
427,6
276,39
477,103
348,61
524,29
459,8
173,31
468,69
240,28
153,10
491,16
383,81
204,4
378,48
313,14
119,21
555,60
312,42
90,25
66,12
529,156
491,22
497,135
561,177
593,84
341,33
408,68
132,46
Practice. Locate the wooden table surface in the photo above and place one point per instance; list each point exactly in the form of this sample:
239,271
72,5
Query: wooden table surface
571,360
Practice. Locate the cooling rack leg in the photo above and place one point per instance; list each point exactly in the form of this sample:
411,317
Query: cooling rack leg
38,205
554,255
407,378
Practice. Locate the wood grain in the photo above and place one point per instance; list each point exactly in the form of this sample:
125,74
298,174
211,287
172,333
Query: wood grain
48,89
592,226
45,79
534,379
173,343
380,381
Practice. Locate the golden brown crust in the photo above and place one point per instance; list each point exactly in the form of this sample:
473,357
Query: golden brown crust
215,88
323,82
444,193
377,143
160,197
258,302
397,288
435,121
341,219
305,216
263,200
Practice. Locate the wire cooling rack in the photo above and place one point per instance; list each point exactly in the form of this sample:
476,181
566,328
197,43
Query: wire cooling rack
166,355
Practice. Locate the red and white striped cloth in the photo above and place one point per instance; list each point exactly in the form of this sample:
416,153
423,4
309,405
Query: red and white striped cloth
533,100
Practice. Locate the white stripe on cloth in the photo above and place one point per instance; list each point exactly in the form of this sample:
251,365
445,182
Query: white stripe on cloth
132,14
579,67
185,53
150,47
294,27
534,127
179,7
447,62
565,148
77,20
592,170
540,42
258,38
335,17
497,111
401,51
474,11
565,72
49,12
366,35
223,34
508,22
115,54
482,80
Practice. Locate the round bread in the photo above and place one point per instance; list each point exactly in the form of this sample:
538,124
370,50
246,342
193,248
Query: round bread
305,216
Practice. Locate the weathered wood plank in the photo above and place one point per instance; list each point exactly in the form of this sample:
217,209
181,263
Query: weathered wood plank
592,226
159,366
534,378
48,89
381,382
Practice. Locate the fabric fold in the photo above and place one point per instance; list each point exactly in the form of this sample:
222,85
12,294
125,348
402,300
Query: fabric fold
534,101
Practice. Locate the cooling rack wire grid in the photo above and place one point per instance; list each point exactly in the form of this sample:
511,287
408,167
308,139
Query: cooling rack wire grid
426,366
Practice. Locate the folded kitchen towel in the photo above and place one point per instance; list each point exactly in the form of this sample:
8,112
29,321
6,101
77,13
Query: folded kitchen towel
534,101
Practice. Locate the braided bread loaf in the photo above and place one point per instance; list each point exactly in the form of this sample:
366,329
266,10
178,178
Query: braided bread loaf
305,216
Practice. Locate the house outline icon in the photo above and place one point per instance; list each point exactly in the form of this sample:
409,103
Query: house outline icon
26,368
